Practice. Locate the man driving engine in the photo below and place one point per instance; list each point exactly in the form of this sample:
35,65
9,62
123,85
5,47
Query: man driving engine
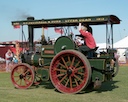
88,38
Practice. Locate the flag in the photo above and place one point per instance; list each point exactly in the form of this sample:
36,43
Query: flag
59,30
16,26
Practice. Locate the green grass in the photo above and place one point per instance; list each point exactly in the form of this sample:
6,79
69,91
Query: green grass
114,91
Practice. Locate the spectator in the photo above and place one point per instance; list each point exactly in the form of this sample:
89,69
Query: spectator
126,55
8,58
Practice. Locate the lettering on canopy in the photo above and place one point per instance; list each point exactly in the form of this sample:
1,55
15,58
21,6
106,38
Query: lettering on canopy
58,21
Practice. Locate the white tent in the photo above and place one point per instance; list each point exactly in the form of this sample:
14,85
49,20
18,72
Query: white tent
101,45
121,47
123,43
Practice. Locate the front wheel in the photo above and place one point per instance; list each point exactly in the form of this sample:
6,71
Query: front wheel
70,71
22,76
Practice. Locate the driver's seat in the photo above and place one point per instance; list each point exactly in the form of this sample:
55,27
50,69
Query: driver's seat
91,52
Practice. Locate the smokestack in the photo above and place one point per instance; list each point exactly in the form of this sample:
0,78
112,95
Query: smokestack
31,34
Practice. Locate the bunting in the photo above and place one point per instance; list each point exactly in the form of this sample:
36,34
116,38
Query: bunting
16,26
59,30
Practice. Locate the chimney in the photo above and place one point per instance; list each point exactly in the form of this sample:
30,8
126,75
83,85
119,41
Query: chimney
31,34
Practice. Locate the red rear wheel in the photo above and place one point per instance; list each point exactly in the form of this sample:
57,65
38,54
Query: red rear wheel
22,76
70,71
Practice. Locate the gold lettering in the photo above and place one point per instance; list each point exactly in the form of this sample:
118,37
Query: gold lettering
99,19
35,22
49,21
52,21
56,21
71,20
16,23
83,20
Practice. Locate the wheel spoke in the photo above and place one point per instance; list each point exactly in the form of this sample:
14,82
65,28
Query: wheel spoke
81,67
59,75
26,71
77,64
22,70
64,62
80,73
78,78
67,82
70,78
62,65
72,61
69,59
76,82
27,81
17,71
29,76
20,81
61,70
63,78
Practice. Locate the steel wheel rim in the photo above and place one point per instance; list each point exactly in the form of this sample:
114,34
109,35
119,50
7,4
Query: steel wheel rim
116,68
69,73
22,76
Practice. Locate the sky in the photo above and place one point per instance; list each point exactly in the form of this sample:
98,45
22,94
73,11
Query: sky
13,10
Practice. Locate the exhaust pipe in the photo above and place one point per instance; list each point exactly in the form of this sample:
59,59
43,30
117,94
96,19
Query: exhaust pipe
30,35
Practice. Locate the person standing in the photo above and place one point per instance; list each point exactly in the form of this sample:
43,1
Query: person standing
8,58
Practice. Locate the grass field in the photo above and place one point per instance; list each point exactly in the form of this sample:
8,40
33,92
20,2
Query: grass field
114,91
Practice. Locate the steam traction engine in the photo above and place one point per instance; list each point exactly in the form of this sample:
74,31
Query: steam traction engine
69,70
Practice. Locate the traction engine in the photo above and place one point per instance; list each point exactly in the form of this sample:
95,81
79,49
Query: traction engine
69,70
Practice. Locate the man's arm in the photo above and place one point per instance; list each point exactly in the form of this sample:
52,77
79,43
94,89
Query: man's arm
79,26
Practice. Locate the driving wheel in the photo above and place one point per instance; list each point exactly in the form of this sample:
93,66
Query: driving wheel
70,71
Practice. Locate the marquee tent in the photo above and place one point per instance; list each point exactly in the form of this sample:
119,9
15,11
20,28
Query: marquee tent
101,45
121,44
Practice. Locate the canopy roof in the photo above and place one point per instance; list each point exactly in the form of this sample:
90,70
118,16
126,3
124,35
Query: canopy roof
91,20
